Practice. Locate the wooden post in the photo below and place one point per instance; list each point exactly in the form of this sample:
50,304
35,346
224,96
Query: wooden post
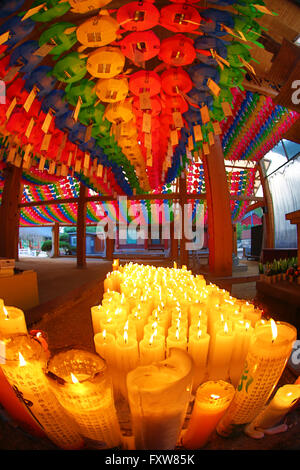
234,240
81,227
294,218
219,213
110,245
10,212
268,217
183,200
55,241
173,243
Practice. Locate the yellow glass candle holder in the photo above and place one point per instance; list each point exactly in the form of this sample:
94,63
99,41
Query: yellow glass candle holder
23,365
211,401
81,384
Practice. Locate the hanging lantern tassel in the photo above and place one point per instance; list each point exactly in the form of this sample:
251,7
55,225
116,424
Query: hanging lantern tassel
30,99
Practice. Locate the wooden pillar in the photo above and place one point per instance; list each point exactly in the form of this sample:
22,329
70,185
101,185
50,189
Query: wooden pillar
183,200
234,240
55,241
219,213
81,227
268,216
173,243
110,245
10,212
294,218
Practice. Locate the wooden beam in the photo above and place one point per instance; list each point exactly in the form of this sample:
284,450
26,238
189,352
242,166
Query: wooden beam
9,211
268,217
81,227
219,213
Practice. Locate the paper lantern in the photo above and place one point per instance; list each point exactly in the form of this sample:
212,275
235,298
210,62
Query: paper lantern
174,103
52,9
91,114
180,18
249,28
97,31
192,116
85,90
105,62
138,16
154,106
198,97
70,68
174,80
24,54
177,50
231,77
18,30
140,46
201,73
205,44
56,102
65,122
236,50
111,90
10,7
42,79
145,82
119,112
61,35
86,6
214,21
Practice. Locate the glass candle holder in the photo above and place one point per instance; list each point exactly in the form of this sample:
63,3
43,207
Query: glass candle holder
24,366
269,349
81,384
211,401
159,395
12,321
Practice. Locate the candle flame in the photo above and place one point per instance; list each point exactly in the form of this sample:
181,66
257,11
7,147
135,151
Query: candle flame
125,336
5,313
104,334
199,333
215,397
274,329
225,328
74,379
177,334
22,361
151,338
247,325
126,326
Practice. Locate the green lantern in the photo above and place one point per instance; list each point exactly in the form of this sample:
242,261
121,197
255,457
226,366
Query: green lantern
84,89
91,115
51,10
225,95
70,69
236,50
63,35
231,77
249,28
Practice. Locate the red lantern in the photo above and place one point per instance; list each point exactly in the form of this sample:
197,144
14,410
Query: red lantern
140,46
180,18
177,50
154,108
138,16
175,80
174,103
145,82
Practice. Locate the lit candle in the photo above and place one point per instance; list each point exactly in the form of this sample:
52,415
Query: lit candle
12,320
270,347
127,358
176,340
251,313
242,332
211,401
159,395
105,346
198,346
24,366
81,384
115,264
266,421
220,352
149,329
152,349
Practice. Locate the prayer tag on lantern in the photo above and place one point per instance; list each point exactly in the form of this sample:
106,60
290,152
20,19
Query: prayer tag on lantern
44,50
205,148
46,142
211,139
33,11
42,164
190,143
18,160
99,171
77,109
226,109
11,108
146,125
174,137
47,122
177,119
147,141
30,99
52,165
214,88
217,128
204,114
70,157
145,102
198,133
29,128
4,37
86,162
88,133
11,73
11,154
77,165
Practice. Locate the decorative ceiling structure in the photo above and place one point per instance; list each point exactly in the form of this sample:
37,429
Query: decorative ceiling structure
124,96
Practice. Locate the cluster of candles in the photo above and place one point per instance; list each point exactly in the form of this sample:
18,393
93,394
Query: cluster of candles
164,338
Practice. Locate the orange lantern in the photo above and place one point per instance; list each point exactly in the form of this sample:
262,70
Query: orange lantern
97,31
177,50
119,112
111,90
180,18
105,62
145,82
138,16
140,46
86,6
175,80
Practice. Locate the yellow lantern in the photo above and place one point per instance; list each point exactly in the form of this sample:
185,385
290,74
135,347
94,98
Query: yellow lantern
97,31
105,62
119,112
127,129
86,6
111,90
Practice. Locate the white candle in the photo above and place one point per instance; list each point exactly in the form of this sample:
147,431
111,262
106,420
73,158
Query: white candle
105,346
152,349
127,358
176,340
198,347
220,352
242,332
284,399
12,321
